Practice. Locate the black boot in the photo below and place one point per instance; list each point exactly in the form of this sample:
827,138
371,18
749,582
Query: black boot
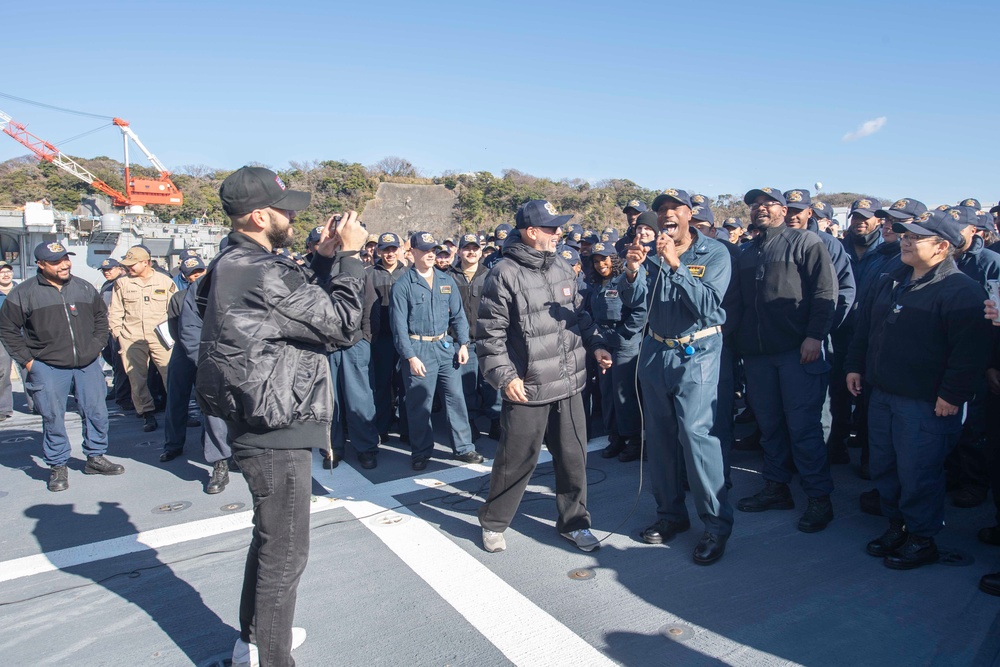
818,514
615,445
887,543
494,433
220,477
632,450
774,496
916,551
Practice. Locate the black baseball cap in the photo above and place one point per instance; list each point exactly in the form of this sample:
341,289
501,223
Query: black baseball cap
106,265
192,264
971,202
51,251
569,254
672,194
423,241
773,193
733,223
250,188
934,223
469,239
703,213
602,249
539,213
798,199
389,240
902,209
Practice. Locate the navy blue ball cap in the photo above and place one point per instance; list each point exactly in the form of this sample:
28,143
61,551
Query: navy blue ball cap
934,223
190,265
610,235
636,205
864,207
672,194
773,193
540,213
902,209
106,265
995,209
822,210
502,231
389,240
574,236
985,222
423,241
250,188
972,202
648,219
51,251
733,223
602,249
469,239
569,254
964,215
187,252
314,235
590,236
703,213
798,199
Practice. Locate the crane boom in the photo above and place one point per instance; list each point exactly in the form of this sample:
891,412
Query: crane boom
43,150
160,190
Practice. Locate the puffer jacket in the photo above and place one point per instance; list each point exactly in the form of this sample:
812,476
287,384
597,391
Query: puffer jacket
268,327
532,325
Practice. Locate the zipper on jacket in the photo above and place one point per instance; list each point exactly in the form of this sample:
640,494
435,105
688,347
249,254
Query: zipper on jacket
69,323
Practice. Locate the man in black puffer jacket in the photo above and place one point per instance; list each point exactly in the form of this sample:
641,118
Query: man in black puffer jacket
531,329
269,325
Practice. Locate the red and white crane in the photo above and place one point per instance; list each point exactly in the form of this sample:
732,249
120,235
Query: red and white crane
138,191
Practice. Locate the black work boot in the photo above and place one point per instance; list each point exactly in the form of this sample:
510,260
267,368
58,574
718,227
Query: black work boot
916,551
220,477
616,444
774,496
58,478
818,514
98,465
632,450
149,422
887,543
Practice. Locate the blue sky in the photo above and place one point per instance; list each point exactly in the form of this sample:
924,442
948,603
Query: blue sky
713,97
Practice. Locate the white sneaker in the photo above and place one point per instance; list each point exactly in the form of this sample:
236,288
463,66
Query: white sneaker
583,538
493,541
245,655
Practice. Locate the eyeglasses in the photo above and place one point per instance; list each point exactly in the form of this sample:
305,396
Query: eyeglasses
913,238
767,204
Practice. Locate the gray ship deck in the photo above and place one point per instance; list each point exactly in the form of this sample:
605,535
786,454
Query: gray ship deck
102,575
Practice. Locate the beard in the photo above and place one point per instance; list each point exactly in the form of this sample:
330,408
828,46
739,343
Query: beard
279,237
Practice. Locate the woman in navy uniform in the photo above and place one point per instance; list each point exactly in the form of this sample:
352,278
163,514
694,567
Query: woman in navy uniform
425,303
622,329
921,344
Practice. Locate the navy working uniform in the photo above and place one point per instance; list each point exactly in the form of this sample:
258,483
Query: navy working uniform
679,371
918,342
621,327
789,295
421,315
386,380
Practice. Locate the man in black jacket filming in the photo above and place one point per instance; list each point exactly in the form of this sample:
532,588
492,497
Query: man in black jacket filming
269,325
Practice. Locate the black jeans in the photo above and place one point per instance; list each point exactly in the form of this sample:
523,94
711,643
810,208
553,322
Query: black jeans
280,482
562,424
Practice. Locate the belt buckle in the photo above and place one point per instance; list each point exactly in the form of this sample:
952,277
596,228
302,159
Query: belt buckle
670,343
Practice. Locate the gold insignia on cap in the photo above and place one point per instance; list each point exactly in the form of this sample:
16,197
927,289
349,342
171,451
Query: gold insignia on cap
696,210
426,238
795,195
731,221
902,203
634,204
820,205
670,192
605,236
502,234
698,199
319,229
864,203
923,217
566,254
387,238
575,236
598,247
550,208
969,202
767,190
955,214
190,262
943,207
55,247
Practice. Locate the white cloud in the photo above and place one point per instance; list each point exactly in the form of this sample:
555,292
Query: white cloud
865,129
